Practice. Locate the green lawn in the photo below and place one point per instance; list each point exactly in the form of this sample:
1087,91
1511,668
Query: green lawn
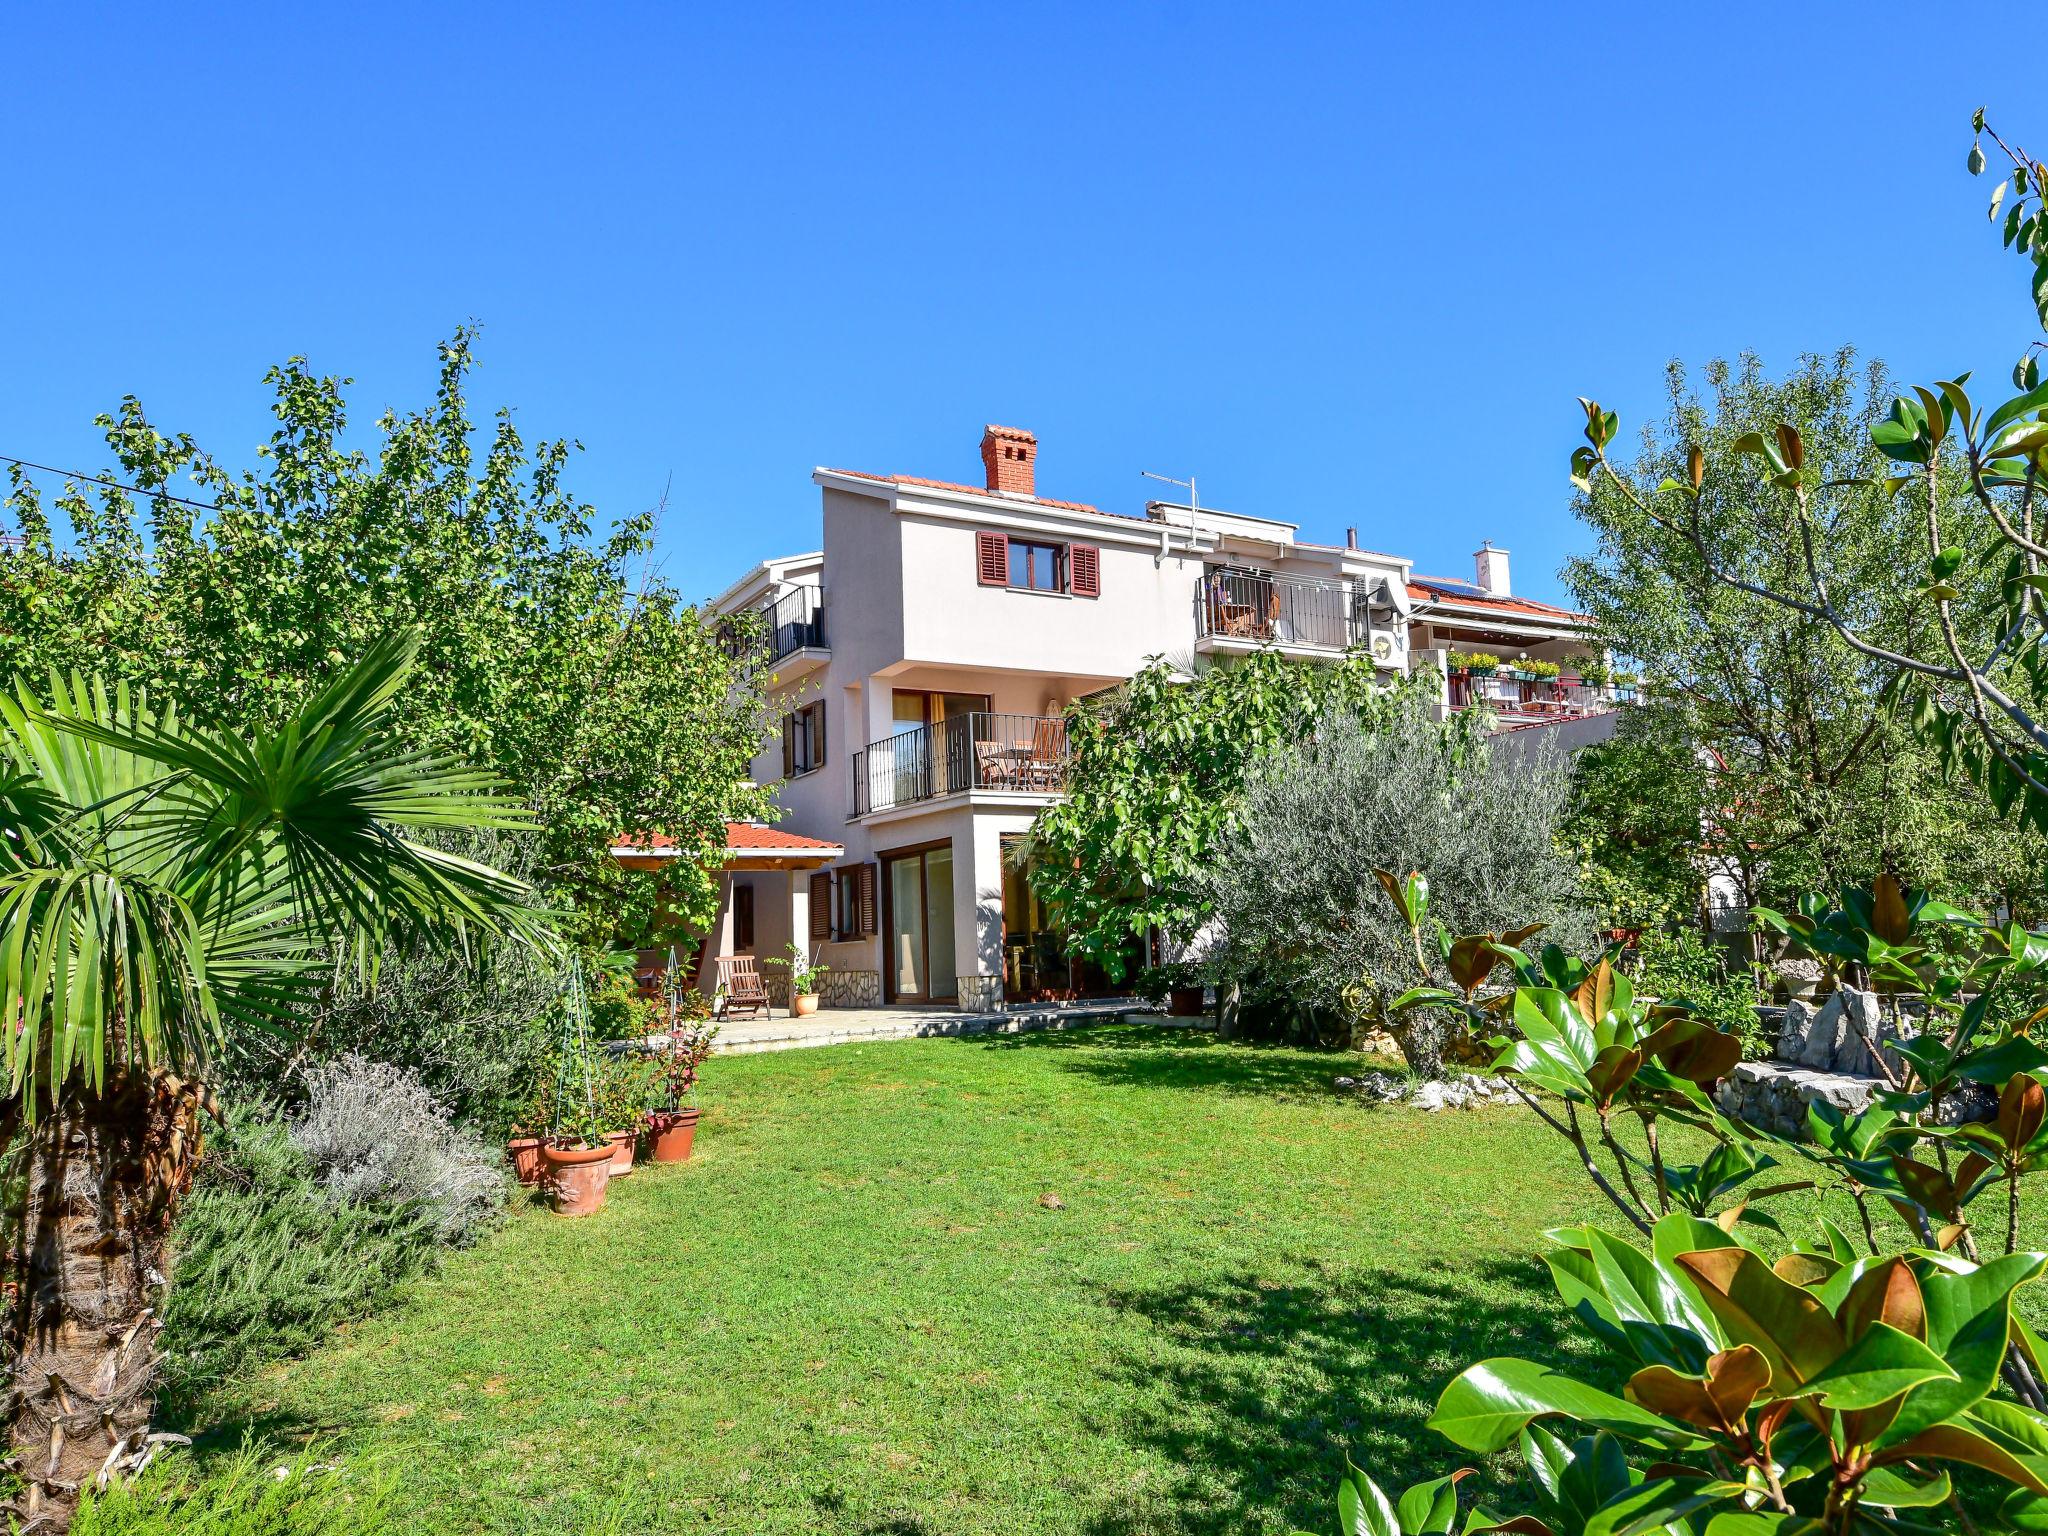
1119,1282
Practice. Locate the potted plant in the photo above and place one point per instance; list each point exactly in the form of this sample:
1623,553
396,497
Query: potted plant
804,980
579,1159
523,1143
672,1123
1476,663
1178,984
522,1150
620,1089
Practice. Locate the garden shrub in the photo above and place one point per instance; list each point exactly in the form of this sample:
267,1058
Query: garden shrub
474,1029
267,1262
1679,966
244,1495
372,1133
1304,922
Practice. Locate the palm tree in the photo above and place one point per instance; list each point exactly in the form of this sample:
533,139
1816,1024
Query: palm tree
163,884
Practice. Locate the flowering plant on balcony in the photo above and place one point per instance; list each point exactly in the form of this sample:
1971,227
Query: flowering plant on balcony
1540,669
1478,663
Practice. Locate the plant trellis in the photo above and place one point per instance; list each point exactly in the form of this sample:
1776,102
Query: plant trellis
575,1051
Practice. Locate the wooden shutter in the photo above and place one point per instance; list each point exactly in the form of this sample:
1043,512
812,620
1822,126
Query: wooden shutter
818,734
1084,570
864,899
821,905
789,746
992,558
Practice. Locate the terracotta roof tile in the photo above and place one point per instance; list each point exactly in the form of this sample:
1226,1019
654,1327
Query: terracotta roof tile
974,490
1423,589
739,835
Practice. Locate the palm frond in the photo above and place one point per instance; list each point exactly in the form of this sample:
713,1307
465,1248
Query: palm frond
164,880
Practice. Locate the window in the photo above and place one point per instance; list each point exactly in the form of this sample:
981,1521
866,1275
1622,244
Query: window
1041,567
852,903
913,707
803,740
1027,565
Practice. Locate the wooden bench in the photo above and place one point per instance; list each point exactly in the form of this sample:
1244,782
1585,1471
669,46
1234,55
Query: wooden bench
739,982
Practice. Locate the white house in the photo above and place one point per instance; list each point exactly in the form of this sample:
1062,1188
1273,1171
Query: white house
922,664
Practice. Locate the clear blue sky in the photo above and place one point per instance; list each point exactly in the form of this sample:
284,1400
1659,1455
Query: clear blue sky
1347,264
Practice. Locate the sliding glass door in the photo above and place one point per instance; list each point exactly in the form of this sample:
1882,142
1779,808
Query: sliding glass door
918,889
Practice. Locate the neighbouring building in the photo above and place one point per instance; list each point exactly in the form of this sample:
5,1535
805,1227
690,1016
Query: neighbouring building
923,661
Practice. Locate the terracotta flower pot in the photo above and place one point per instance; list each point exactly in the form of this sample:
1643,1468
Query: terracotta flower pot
1185,1002
670,1134
804,1004
577,1177
622,1152
524,1152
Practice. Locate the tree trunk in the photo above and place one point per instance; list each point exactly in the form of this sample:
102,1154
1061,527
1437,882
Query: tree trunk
1421,1039
105,1171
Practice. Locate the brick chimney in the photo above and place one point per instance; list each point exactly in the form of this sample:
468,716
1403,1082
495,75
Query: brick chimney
1010,455
1490,566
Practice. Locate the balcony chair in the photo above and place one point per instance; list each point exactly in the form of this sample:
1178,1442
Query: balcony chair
1045,769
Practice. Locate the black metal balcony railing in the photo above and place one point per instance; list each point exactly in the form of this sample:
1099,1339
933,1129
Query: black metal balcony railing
972,751
1281,610
793,622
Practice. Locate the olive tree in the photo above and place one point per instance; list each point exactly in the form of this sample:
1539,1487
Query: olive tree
1300,910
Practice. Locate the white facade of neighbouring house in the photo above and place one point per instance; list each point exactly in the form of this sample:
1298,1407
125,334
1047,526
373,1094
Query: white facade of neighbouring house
922,662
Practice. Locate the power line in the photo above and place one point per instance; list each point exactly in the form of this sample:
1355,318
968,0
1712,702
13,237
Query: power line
116,485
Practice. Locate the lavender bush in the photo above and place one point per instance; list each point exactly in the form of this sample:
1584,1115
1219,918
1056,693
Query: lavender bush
374,1134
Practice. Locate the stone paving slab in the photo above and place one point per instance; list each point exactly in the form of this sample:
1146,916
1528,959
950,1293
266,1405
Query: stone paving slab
841,1026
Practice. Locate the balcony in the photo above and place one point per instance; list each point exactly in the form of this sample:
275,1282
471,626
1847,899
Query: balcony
792,625
979,752
1242,610
1518,700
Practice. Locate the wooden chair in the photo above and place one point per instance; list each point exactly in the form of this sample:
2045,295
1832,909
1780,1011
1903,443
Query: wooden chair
1045,768
996,767
739,979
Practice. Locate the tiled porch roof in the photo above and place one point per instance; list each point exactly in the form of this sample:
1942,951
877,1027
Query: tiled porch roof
742,839
1424,589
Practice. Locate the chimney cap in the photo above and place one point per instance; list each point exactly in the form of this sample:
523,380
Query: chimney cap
1011,434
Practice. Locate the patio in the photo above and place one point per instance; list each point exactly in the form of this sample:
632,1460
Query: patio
839,1026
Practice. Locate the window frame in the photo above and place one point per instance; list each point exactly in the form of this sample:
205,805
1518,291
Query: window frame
803,725
1061,557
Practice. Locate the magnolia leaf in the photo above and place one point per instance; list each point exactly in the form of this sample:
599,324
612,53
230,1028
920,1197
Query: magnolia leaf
1881,1365
1754,1306
1487,1405
1968,1324
1431,1508
1886,1488
1954,1442
1362,1509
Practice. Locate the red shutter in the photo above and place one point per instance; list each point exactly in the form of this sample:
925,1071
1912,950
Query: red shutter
865,892
992,558
821,905
1084,570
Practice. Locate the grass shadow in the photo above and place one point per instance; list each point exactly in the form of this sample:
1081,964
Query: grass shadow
1155,1056
1256,1389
